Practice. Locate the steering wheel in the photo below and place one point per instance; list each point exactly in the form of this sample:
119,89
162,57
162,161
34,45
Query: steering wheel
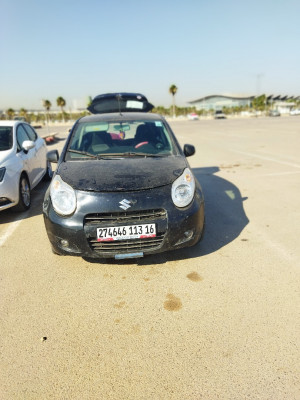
140,144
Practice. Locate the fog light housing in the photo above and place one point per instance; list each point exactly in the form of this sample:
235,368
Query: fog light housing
64,243
186,237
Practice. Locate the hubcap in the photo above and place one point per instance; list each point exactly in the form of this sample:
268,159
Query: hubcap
25,192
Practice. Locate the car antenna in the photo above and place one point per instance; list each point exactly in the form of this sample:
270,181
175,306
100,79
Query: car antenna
119,97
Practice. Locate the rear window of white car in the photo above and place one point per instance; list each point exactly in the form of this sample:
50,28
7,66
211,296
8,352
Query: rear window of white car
6,138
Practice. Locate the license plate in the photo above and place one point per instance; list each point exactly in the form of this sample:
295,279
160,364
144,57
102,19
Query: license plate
126,232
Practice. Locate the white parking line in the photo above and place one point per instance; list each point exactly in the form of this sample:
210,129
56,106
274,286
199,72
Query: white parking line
279,248
267,158
282,173
9,231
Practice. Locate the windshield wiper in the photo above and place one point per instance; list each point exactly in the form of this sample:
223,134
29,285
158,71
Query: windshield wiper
126,154
136,154
85,153
113,155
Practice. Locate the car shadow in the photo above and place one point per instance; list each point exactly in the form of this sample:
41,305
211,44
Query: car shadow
225,219
37,197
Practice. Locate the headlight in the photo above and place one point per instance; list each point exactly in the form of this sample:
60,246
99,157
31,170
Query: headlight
63,196
183,189
2,172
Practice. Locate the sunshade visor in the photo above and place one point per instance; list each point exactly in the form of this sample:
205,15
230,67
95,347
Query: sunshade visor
120,102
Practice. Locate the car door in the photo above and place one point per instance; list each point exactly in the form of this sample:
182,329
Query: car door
28,158
40,151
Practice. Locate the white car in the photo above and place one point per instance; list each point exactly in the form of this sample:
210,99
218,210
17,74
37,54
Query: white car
193,117
295,112
23,164
219,114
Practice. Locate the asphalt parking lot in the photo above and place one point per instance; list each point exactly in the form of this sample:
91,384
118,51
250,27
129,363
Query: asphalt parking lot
216,321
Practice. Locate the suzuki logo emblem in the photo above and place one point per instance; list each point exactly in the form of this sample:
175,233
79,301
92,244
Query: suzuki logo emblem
125,204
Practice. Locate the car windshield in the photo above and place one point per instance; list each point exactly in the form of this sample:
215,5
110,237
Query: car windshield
6,138
104,139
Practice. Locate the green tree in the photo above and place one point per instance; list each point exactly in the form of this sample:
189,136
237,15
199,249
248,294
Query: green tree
47,105
259,103
160,110
61,102
89,101
173,90
23,113
10,113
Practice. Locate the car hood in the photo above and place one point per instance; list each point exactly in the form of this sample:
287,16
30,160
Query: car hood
125,174
4,156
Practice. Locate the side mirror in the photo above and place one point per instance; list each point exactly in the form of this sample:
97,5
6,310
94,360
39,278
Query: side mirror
53,156
27,145
189,150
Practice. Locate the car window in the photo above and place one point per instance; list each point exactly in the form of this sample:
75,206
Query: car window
21,136
113,138
31,133
6,138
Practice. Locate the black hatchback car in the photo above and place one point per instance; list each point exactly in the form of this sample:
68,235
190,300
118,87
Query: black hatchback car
123,187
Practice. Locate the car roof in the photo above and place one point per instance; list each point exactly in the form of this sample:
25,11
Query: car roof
127,116
9,123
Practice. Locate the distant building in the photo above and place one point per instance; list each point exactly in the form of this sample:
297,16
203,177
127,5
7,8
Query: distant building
217,102
283,103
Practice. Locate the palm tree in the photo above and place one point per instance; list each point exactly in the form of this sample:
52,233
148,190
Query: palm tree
47,104
173,89
61,102
89,101
10,113
23,113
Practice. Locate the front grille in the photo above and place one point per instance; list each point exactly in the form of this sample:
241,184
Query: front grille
93,221
127,218
127,246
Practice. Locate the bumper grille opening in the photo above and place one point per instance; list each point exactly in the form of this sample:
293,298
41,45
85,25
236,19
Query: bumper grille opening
132,217
93,221
127,246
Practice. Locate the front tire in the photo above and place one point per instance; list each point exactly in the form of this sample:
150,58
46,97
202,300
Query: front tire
24,195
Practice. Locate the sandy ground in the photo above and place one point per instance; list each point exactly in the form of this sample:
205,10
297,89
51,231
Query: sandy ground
217,321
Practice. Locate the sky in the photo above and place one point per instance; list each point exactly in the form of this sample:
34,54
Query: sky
76,49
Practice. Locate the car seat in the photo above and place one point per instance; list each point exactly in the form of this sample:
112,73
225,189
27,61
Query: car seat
100,141
143,135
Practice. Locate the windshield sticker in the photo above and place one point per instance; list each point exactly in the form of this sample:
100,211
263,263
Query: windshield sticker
134,104
158,123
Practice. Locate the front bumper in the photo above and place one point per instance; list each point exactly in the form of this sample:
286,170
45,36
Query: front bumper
9,194
76,235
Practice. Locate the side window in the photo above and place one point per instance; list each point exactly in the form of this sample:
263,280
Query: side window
21,136
6,137
30,132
